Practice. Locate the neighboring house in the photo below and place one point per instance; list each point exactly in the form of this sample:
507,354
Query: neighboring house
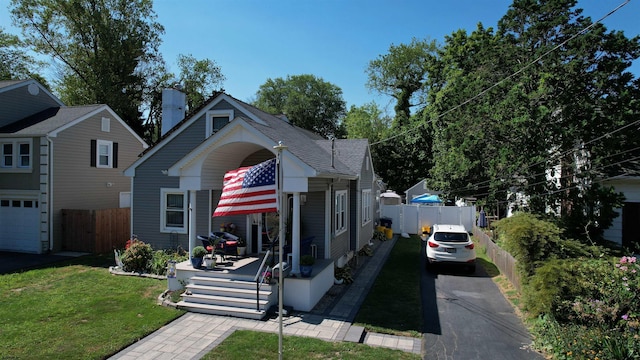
329,185
419,189
625,229
55,157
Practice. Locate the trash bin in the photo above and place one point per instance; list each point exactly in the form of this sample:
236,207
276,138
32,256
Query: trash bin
386,222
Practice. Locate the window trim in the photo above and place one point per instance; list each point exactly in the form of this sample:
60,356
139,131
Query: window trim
16,156
366,206
340,212
163,211
211,114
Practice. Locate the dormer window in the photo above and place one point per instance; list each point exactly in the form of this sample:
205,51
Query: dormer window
217,119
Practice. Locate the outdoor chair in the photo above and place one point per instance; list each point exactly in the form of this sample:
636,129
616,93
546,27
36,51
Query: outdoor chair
219,243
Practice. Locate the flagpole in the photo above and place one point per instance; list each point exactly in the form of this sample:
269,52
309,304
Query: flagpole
281,235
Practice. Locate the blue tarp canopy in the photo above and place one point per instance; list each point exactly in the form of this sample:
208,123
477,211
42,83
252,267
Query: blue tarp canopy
426,199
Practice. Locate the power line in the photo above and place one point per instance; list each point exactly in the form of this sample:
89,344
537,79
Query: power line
483,92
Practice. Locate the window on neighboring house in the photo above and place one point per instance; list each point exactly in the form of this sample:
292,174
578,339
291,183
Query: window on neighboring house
173,211
366,206
16,155
104,154
341,212
217,119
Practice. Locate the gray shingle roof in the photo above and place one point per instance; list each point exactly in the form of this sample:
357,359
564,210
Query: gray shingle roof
48,120
306,145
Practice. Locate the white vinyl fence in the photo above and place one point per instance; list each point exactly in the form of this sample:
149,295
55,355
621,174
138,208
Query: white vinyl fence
412,218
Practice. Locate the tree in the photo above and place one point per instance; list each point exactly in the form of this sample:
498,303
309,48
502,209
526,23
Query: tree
102,48
307,101
199,79
15,63
366,122
402,74
531,100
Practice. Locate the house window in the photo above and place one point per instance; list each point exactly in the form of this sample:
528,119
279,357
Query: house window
341,212
104,154
217,119
366,206
173,211
16,155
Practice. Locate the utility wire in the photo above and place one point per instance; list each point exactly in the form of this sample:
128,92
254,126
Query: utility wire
483,92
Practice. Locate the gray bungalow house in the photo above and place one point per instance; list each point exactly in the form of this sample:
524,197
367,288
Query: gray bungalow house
176,185
55,157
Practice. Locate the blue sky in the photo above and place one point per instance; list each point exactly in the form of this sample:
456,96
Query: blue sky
253,40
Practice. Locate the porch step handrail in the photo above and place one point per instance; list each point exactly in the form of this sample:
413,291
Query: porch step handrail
260,274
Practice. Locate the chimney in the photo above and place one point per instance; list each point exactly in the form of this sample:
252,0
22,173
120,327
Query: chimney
173,108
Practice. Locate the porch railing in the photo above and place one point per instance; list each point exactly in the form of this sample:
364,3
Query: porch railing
262,271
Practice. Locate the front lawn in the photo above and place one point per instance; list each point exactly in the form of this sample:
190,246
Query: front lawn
245,344
77,310
393,305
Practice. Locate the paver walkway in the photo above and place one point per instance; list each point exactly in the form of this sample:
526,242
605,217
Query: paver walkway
193,335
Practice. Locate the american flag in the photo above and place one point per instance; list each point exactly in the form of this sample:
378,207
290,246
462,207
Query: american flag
249,190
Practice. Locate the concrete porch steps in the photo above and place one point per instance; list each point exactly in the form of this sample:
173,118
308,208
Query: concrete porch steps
220,294
223,310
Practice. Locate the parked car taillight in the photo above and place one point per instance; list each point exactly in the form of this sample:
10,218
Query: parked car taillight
470,247
432,244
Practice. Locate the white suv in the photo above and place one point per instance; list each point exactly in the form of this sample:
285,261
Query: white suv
450,244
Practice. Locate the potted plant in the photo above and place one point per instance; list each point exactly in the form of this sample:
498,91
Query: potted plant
196,256
242,247
209,261
306,265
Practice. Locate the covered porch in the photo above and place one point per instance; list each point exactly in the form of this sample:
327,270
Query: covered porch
233,287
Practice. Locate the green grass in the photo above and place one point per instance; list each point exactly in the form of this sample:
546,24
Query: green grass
393,305
77,310
245,344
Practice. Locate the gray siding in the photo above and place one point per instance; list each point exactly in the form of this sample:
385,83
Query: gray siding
77,185
365,183
149,180
313,221
18,104
340,243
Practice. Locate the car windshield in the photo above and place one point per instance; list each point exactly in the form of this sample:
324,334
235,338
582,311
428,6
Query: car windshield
450,237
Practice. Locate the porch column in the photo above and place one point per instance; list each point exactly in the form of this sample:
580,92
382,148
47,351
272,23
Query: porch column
192,221
295,234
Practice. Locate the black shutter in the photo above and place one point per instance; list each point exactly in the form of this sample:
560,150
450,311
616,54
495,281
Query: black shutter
115,155
93,152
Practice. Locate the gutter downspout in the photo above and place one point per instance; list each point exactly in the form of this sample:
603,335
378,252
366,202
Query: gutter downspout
50,194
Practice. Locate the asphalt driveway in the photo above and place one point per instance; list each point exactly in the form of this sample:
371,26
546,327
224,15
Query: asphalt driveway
467,317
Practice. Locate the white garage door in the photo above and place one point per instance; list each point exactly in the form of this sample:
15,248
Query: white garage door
19,225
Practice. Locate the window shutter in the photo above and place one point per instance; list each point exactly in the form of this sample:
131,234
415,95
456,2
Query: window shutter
115,155
93,152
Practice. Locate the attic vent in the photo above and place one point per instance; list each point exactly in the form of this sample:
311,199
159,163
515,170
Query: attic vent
33,89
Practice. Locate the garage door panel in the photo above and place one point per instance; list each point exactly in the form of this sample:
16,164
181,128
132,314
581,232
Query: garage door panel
19,225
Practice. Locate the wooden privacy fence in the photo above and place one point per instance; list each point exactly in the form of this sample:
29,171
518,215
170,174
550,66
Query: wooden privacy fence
502,259
95,231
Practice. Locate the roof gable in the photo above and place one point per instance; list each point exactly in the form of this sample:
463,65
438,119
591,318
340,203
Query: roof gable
308,147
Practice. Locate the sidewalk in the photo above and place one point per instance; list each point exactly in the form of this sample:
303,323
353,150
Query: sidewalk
193,335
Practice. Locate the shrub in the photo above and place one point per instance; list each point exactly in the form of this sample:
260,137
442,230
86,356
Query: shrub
137,257
532,240
161,260
569,341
